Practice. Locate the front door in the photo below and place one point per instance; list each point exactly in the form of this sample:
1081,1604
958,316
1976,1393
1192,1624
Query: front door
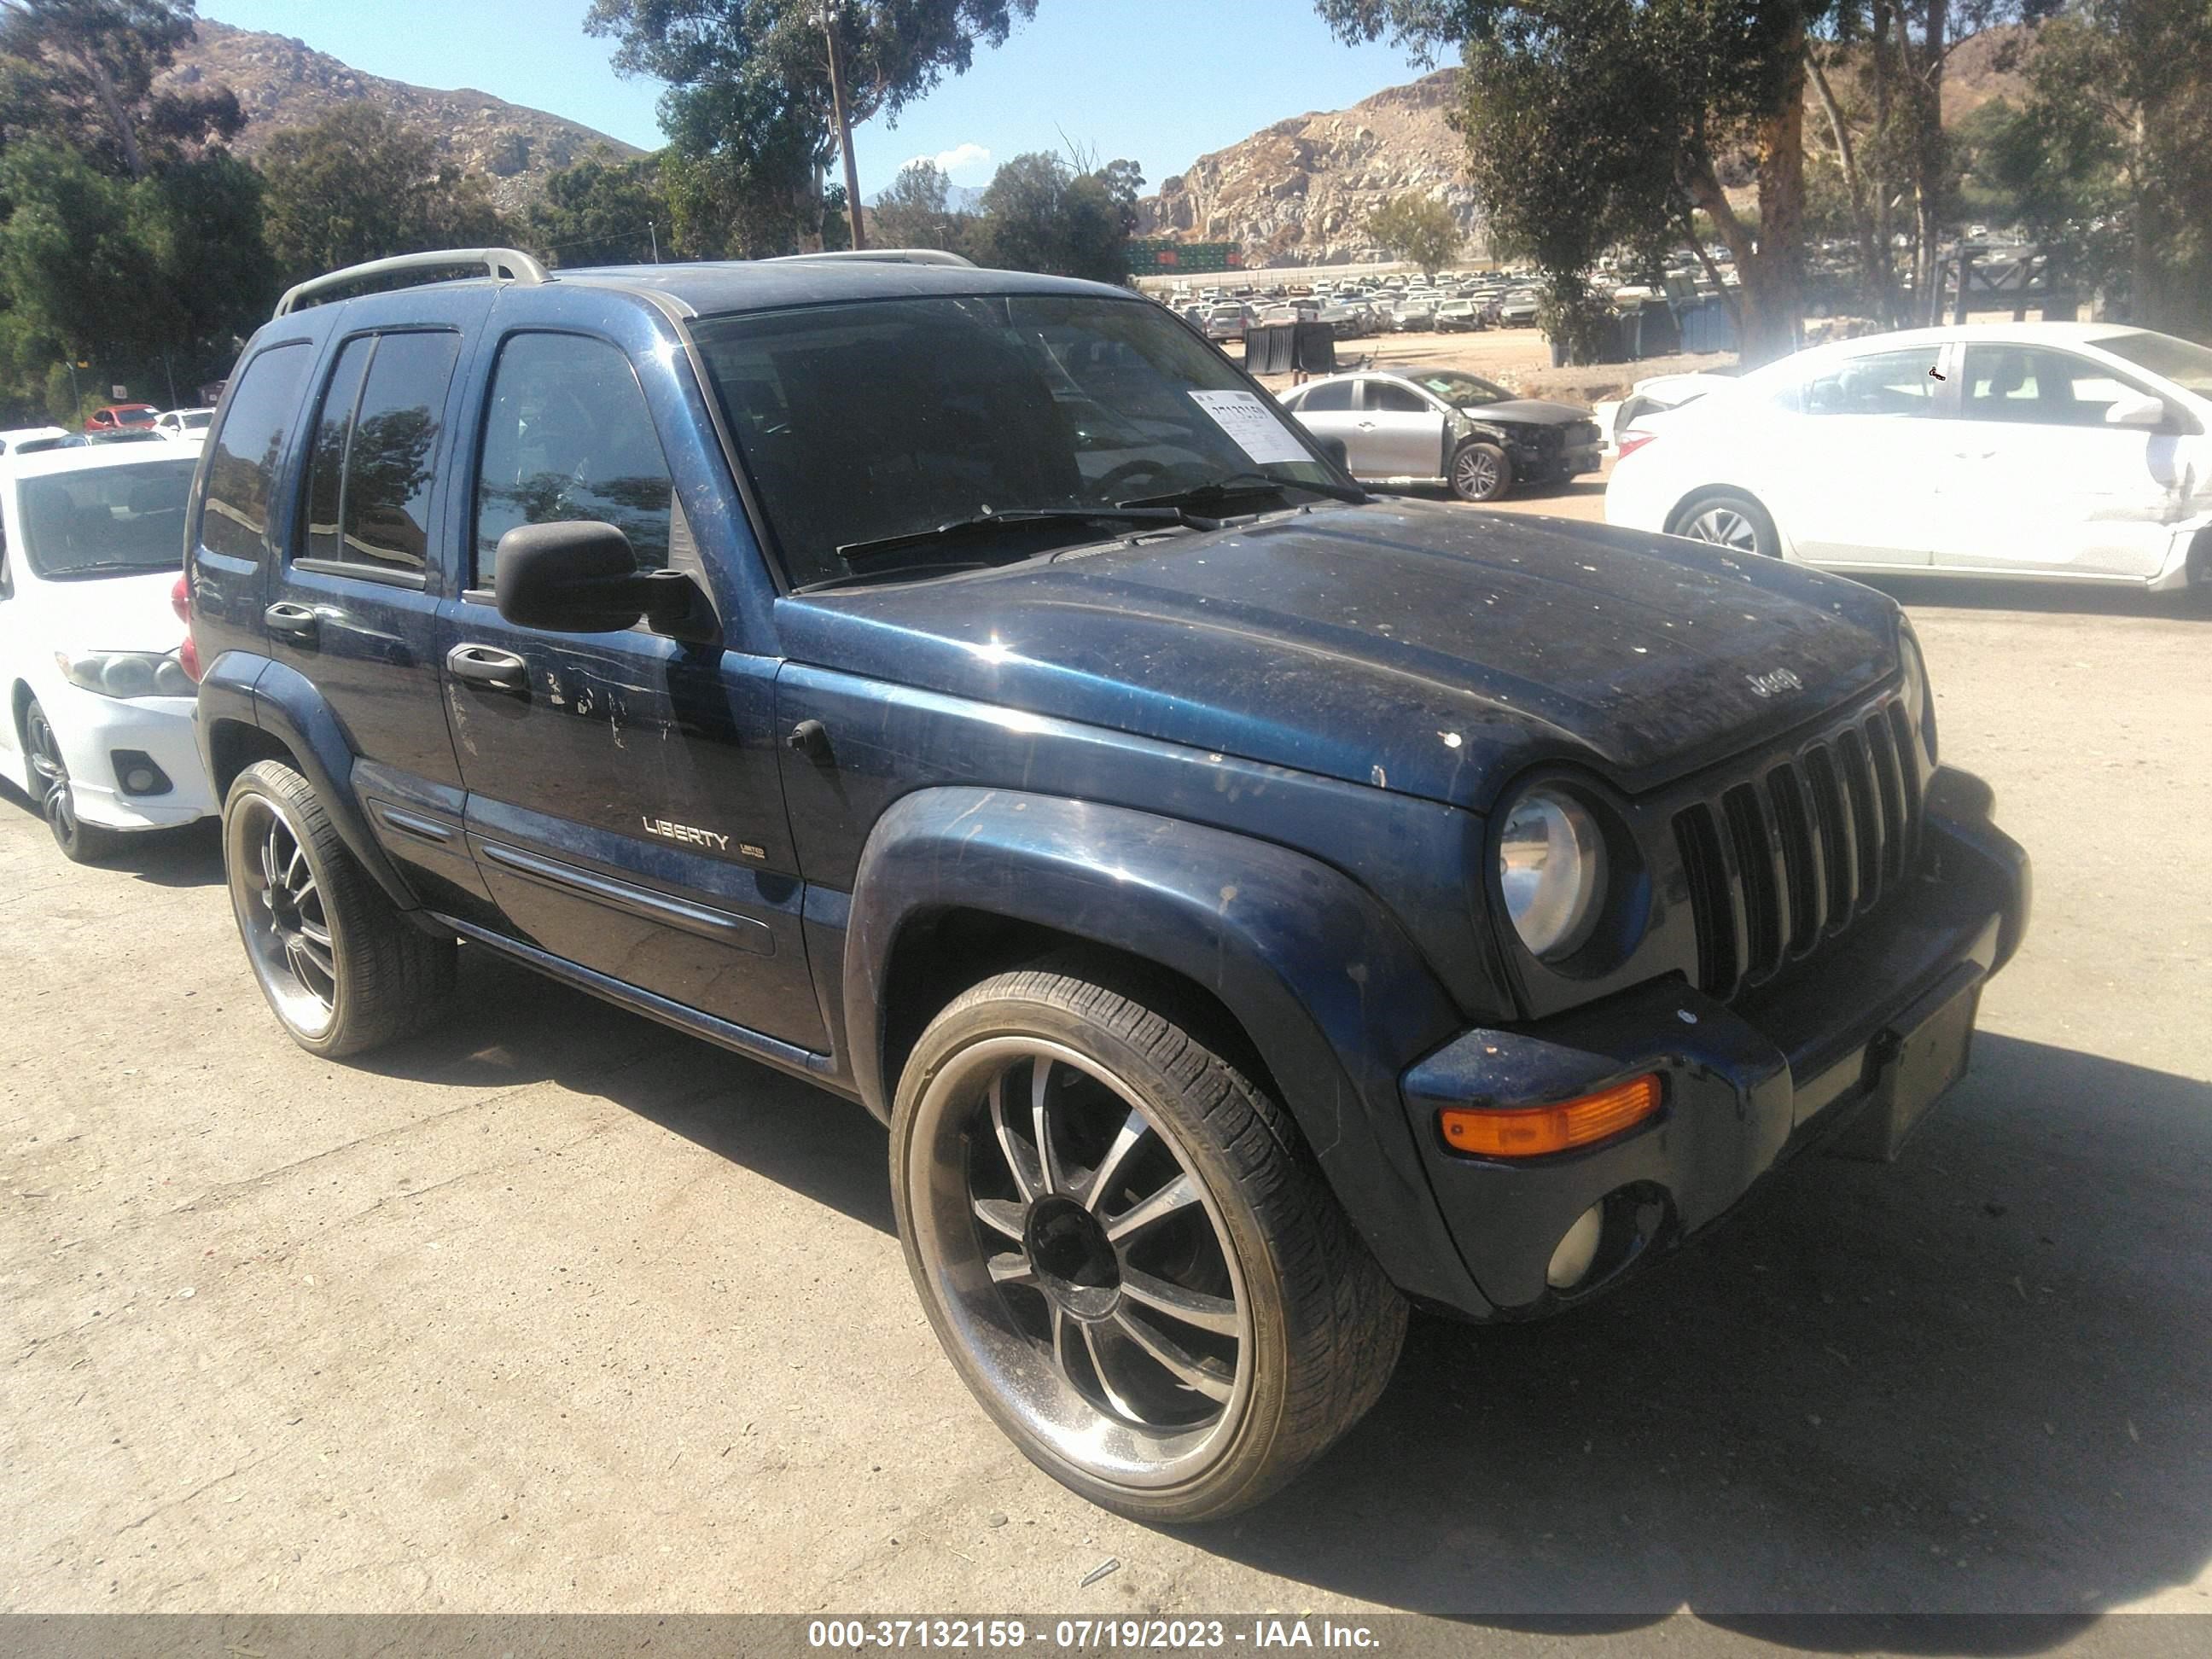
624,803
2043,484
1402,429
1857,485
354,604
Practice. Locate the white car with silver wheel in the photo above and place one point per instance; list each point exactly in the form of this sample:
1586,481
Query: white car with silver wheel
2046,451
93,646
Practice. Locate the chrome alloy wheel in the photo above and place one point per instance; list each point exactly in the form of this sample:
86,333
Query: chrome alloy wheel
1474,474
280,911
56,801
1725,526
1082,1267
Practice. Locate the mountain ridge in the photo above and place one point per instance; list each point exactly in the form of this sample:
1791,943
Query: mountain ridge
281,81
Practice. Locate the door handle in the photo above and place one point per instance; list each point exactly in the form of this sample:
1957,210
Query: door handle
295,621
1972,454
495,671
1366,426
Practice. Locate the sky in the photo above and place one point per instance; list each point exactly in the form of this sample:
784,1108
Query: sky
1159,82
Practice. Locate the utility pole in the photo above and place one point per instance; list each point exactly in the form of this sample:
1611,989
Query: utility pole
653,232
844,126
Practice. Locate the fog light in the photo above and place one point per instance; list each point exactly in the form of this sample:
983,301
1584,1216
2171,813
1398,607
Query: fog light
139,772
1577,1249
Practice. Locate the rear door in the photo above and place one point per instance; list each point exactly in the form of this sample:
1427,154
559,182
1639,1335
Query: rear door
624,802
1325,409
2042,483
353,605
1402,429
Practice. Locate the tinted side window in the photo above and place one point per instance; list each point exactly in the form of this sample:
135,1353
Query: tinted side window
567,436
241,469
1395,399
1887,383
327,459
1336,394
384,514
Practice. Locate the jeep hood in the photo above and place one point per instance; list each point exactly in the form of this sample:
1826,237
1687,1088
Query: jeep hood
1411,646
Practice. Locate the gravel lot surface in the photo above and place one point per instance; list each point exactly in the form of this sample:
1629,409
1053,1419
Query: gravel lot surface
556,1309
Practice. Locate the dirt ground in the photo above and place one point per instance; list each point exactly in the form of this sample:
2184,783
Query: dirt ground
554,1309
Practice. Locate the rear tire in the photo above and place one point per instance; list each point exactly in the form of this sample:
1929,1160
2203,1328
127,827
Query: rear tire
1176,1369
343,969
1728,520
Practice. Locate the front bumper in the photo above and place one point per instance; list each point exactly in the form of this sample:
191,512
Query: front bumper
1838,1050
92,729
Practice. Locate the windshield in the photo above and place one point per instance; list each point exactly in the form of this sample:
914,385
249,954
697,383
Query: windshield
108,520
1462,391
884,418
2188,366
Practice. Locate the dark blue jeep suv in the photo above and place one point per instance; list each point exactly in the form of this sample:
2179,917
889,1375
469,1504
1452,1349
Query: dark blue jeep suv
1251,903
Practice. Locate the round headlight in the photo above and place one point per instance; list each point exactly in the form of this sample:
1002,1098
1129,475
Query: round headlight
1551,865
127,677
171,680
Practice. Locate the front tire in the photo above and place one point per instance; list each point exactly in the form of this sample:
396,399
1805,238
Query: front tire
1127,1253
1480,472
81,843
343,969
1730,520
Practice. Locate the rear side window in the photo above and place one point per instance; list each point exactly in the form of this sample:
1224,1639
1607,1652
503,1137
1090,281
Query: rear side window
567,436
242,464
326,456
391,455
1887,383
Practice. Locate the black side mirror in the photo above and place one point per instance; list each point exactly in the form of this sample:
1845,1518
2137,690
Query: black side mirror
1335,449
580,577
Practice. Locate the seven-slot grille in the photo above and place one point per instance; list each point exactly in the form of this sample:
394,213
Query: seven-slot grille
1786,857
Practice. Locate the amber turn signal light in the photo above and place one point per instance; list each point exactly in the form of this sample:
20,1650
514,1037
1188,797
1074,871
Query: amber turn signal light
1532,1131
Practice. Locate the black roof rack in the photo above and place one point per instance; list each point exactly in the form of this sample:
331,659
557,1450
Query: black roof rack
509,262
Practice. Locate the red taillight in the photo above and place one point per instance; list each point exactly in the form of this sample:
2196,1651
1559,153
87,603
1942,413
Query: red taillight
1631,441
188,658
180,598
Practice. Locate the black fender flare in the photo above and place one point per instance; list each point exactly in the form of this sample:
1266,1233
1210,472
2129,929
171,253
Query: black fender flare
1321,977
248,690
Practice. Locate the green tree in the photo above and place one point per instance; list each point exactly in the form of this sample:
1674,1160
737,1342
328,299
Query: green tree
915,211
748,108
82,72
144,278
357,185
2109,158
1419,229
600,211
1041,214
1707,86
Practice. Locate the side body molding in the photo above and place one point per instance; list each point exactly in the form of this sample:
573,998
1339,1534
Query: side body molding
1319,976
248,690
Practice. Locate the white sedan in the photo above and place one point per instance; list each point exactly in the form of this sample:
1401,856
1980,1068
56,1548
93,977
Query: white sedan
2039,450
98,726
184,425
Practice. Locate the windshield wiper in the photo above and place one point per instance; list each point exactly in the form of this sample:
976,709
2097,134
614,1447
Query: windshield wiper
1247,484
859,555
103,568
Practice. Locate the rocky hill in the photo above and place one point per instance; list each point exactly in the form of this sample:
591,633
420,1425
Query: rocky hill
284,83
1299,193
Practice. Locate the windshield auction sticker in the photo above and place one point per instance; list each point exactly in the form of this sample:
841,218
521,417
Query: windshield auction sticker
1258,431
